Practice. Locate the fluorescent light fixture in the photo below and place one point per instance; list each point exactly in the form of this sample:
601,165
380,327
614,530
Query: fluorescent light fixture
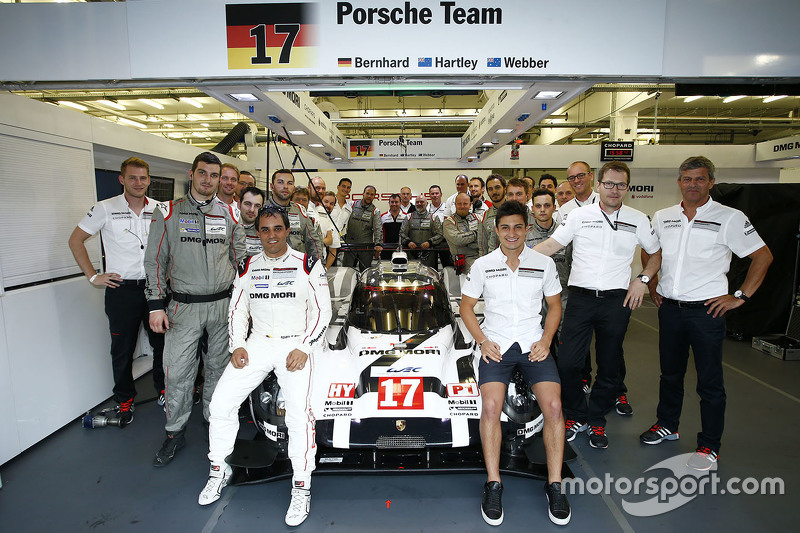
231,116
205,125
130,122
297,132
199,134
194,118
504,130
691,99
315,145
191,101
151,103
337,158
169,125
548,95
174,135
487,144
244,97
73,105
730,99
769,99
111,103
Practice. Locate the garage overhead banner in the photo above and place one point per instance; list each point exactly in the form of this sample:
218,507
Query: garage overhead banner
405,148
449,36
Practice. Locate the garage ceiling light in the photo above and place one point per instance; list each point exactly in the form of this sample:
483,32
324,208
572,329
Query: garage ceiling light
504,130
113,104
548,95
691,99
769,99
130,122
315,145
73,105
151,103
730,99
191,101
297,132
244,97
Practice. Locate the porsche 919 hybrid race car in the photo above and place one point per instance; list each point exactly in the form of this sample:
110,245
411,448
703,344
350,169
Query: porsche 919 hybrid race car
396,386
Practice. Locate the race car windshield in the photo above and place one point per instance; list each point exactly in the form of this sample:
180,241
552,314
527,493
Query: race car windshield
394,309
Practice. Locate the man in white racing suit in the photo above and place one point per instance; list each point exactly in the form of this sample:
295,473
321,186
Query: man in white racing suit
285,292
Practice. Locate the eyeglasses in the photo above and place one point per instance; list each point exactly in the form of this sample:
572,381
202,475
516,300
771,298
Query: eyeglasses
577,177
621,186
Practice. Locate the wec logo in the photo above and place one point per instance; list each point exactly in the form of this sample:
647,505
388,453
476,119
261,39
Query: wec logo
406,369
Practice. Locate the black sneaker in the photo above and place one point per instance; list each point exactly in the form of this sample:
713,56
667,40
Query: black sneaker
492,505
656,434
703,459
597,437
172,444
623,407
125,412
197,395
557,504
573,427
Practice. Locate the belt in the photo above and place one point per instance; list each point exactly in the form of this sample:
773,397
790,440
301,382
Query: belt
598,294
201,298
686,305
132,283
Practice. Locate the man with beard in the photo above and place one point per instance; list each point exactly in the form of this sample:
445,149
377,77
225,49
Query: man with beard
364,231
461,232
195,242
420,231
496,187
392,221
252,198
228,182
304,235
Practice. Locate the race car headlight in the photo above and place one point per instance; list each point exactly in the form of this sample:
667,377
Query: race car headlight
280,404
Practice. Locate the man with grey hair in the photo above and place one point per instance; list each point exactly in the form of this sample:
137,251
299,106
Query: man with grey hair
405,201
698,236
364,231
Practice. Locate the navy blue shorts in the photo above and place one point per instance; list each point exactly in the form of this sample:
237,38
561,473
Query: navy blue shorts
533,372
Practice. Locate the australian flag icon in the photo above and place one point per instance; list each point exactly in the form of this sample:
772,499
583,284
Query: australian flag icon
492,61
425,62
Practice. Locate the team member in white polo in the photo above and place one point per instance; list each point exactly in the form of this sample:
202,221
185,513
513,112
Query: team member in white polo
604,236
123,222
697,237
512,280
581,178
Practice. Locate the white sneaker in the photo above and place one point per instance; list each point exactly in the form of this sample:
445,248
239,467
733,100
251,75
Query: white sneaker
298,507
217,480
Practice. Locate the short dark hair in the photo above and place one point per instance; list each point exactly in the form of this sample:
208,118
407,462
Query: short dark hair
619,166
545,177
520,182
544,192
395,195
208,158
253,190
281,171
371,187
432,186
134,162
497,177
509,208
698,161
302,191
272,211
479,179
348,180
246,172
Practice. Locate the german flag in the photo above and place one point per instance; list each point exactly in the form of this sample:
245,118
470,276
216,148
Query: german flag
270,35
360,148
345,61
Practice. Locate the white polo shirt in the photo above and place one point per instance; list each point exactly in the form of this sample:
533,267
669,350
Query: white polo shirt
561,213
124,234
601,256
696,255
513,299
437,212
326,225
450,205
341,214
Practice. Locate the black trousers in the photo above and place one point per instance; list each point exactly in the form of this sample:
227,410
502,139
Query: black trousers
679,329
608,320
126,308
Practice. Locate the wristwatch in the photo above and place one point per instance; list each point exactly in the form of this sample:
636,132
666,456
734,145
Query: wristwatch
643,278
742,296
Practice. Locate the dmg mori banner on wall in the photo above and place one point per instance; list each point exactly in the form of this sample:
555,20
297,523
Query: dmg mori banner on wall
405,148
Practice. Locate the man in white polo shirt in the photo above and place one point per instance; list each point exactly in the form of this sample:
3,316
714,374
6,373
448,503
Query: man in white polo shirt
124,223
604,237
581,178
697,237
512,280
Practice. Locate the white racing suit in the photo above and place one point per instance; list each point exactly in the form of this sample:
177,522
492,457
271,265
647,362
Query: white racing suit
288,300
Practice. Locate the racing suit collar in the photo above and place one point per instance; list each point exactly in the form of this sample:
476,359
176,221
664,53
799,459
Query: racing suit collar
198,203
281,258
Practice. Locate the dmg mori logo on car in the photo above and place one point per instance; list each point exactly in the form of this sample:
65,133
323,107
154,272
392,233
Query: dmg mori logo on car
400,351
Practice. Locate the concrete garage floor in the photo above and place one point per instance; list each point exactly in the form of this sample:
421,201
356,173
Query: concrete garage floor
101,480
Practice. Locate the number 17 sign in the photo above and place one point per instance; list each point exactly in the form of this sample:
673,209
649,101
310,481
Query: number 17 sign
400,393
270,35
